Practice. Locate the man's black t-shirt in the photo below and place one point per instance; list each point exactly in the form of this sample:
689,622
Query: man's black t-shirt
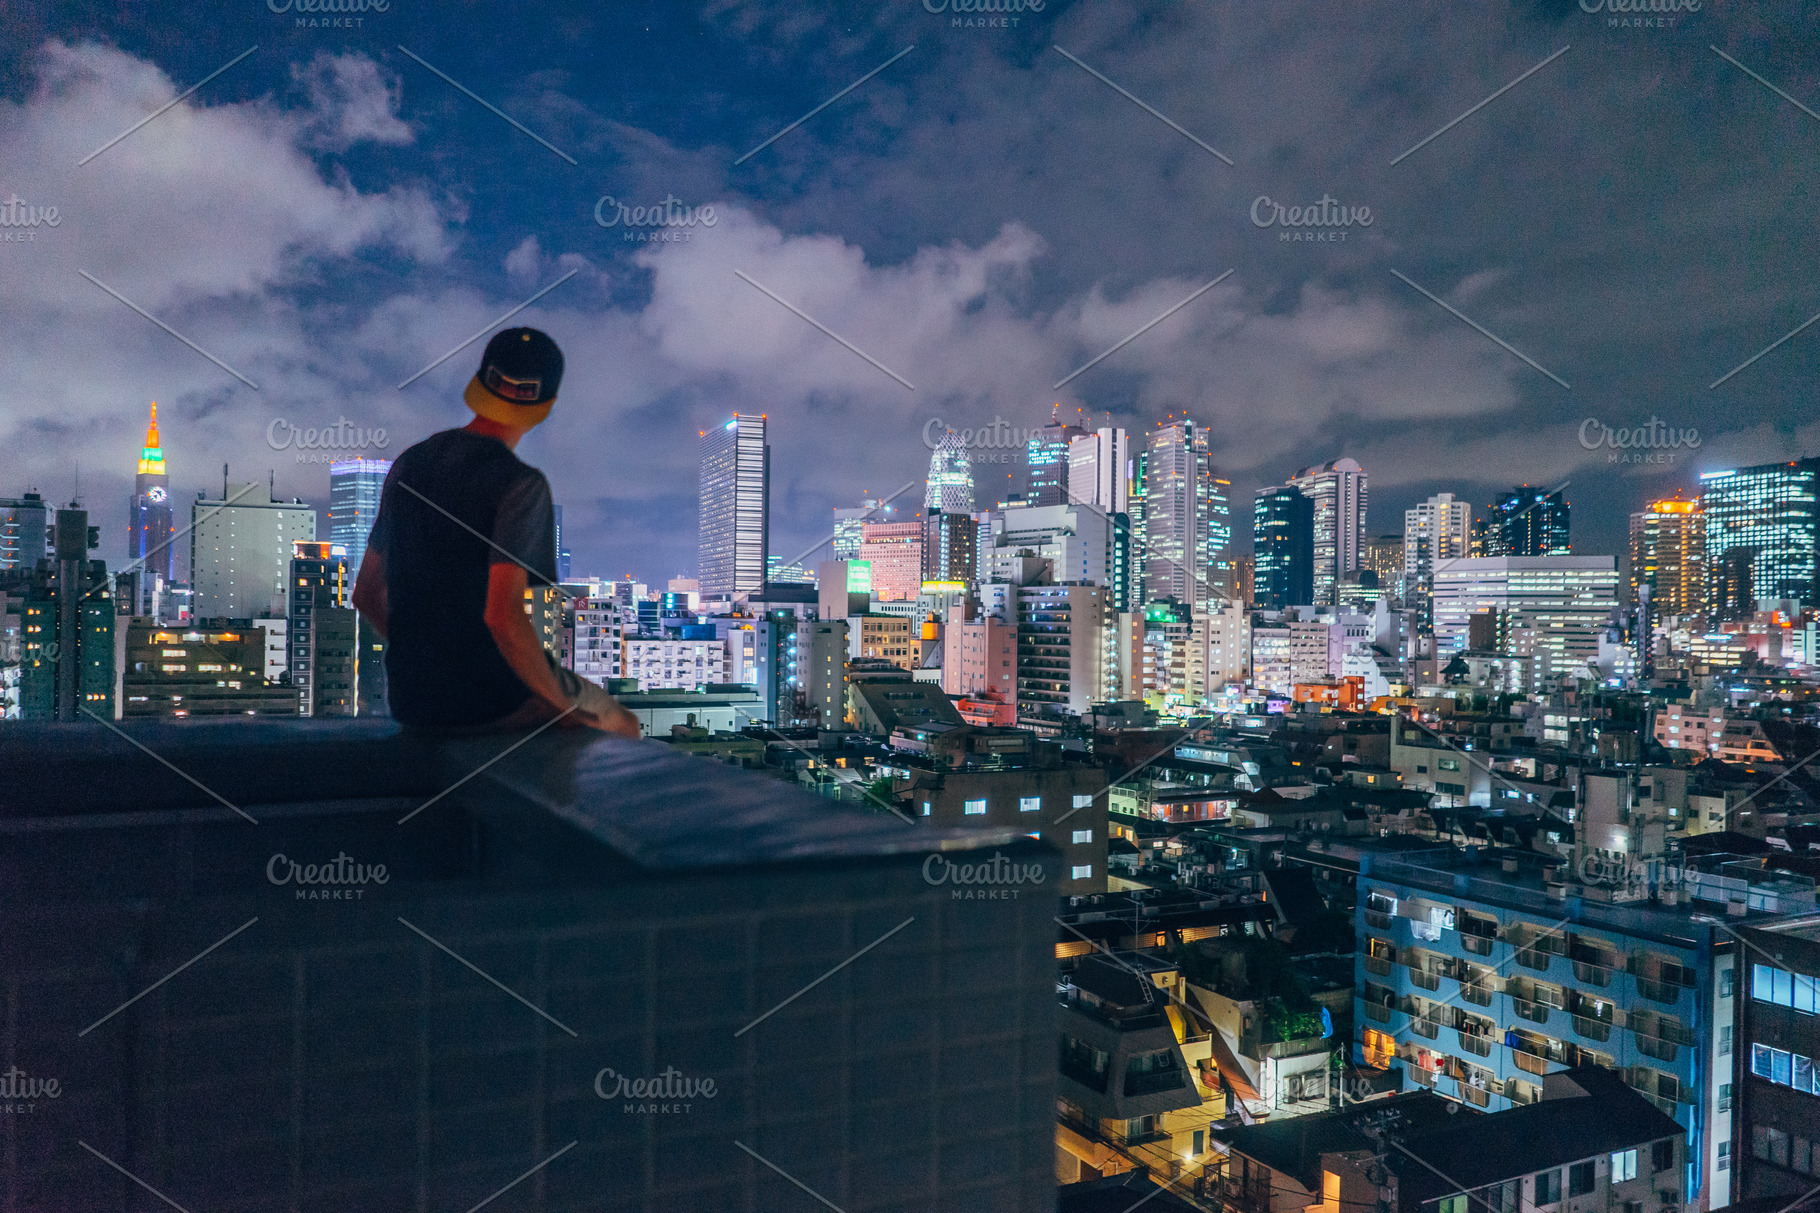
442,668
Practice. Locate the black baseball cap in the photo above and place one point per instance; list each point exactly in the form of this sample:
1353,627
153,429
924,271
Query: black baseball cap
521,366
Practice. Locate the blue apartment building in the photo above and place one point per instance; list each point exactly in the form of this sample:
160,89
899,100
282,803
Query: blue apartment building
1477,974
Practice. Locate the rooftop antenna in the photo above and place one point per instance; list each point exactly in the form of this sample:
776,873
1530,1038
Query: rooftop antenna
224,482
76,495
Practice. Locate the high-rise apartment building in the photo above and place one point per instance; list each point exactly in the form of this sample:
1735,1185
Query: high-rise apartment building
1435,530
980,655
735,507
949,549
894,553
1062,632
1098,470
1554,608
1077,540
1283,551
240,551
354,488
25,528
322,631
1046,456
1668,556
1187,541
1771,511
1384,556
149,525
67,630
1338,490
1527,521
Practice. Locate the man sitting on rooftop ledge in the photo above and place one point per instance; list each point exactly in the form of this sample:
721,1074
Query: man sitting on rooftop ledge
464,528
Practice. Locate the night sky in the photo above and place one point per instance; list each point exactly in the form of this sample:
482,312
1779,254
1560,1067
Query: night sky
981,217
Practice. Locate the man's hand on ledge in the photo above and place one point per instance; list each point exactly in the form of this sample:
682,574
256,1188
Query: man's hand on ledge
615,719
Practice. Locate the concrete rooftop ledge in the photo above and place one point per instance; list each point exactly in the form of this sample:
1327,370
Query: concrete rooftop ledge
656,807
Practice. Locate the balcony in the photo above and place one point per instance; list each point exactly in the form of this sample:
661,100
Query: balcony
1377,1012
1155,1080
1378,920
1534,958
1476,992
1379,965
1473,1042
1592,1029
1665,992
1084,1073
1480,945
1535,1012
1651,1046
1593,973
1424,1027
1478,1097
1529,1062
1424,978
553,864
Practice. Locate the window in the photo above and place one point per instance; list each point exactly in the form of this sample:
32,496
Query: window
1580,1178
1420,769
1760,982
1083,799
1029,804
1725,1156
1200,1142
1623,1165
1451,1204
974,808
1759,1060
1725,1097
1548,1187
1725,1040
1807,993
926,808
1727,986
1081,871
1779,1066
1081,836
1661,1155
1803,1160
1449,764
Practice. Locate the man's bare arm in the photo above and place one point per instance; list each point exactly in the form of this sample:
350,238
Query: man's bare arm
516,638
369,595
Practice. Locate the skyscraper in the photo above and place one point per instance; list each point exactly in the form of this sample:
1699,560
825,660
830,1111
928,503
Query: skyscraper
1668,556
1556,608
354,486
1097,470
1046,453
322,631
25,527
1283,539
240,551
1435,530
735,507
1773,508
149,525
563,561
1187,518
1384,556
849,519
950,544
950,486
1338,490
1527,521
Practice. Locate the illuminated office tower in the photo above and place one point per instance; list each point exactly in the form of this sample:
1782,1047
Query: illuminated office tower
241,548
849,519
1774,511
950,484
1283,548
1384,556
894,550
1338,490
1435,530
1187,519
1556,607
149,525
1097,470
949,550
735,507
322,631
1047,456
1527,521
354,486
564,563
1668,556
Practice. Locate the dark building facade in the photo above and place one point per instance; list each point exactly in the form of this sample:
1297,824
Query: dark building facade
1777,1103
1283,538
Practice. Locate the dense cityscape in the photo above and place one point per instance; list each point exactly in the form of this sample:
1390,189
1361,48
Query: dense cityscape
1303,736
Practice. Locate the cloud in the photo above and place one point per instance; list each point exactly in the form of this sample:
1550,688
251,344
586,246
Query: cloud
351,102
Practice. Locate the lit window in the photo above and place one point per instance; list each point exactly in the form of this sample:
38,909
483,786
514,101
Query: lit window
1082,799
1623,1165
1081,871
974,808
1081,836
1029,804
